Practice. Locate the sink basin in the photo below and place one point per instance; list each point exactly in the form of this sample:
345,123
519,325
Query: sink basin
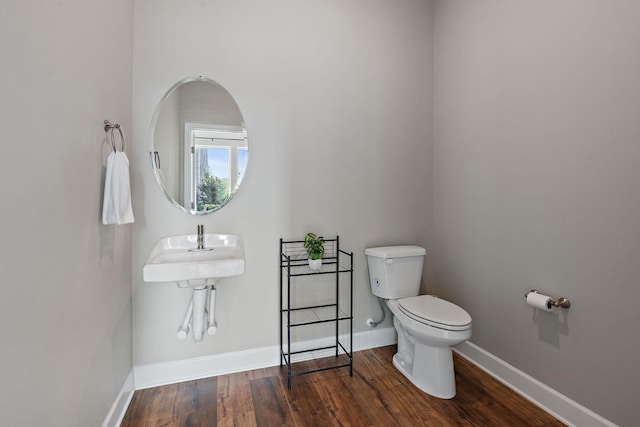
177,259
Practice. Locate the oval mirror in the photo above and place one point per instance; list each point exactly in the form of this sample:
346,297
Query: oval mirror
198,146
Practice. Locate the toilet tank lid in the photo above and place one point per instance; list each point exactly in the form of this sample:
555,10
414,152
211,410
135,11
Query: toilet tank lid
395,251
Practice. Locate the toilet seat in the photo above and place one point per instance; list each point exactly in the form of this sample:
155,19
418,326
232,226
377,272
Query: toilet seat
433,311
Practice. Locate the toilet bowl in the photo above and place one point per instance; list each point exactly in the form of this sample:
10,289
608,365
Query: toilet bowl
424,343
427,326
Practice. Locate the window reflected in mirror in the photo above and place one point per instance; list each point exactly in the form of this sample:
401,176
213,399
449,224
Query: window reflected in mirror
217,161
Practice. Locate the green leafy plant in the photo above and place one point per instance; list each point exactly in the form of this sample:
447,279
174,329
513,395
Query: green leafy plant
314,246
213,192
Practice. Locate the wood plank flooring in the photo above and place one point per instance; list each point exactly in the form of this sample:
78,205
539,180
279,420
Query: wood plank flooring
376,395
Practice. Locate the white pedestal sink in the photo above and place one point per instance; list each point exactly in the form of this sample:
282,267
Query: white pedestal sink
178,259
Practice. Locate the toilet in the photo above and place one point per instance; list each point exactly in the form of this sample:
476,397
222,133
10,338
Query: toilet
427,326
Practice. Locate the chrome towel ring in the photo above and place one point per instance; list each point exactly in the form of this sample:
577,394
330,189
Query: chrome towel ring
108,125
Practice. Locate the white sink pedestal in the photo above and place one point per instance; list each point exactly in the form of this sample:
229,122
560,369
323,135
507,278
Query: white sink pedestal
200,316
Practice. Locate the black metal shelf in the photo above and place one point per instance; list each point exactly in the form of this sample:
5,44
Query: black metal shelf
315,360
294,263
300,267
312,315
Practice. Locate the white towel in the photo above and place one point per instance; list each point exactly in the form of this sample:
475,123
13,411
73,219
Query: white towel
116,208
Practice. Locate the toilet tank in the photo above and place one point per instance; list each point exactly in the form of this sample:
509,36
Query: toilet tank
395,271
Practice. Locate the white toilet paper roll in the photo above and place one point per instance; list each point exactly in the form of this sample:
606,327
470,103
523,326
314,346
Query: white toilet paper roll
539,301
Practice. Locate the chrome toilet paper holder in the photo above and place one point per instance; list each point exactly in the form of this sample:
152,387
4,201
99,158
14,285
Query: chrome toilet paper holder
561,302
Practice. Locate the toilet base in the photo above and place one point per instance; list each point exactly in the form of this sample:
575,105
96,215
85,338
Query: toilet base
433,373
428,367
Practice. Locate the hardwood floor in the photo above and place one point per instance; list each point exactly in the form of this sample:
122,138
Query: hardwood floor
376,395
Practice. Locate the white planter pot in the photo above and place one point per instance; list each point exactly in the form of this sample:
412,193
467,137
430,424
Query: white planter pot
315,264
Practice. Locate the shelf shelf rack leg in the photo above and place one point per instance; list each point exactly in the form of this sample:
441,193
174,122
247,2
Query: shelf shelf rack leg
288,323
280,271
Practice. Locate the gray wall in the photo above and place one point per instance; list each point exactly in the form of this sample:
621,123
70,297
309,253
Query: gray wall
65,309
337,103
536,177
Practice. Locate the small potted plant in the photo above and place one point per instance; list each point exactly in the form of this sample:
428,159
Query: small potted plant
315,248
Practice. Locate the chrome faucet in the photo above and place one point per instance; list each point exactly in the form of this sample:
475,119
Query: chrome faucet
200,236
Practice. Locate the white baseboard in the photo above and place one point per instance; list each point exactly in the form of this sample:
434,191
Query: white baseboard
121,404
374,338
557,404
157,374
